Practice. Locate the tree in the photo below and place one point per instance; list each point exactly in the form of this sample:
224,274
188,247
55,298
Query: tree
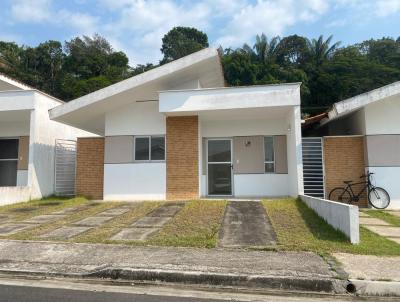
263,51
182,41
321,50
239,69
292,51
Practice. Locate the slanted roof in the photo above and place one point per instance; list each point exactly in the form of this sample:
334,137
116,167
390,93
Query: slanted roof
10,86
350,105
88,112
7,83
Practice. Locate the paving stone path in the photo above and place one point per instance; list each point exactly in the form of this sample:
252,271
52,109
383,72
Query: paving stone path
246,224
380,227
148,225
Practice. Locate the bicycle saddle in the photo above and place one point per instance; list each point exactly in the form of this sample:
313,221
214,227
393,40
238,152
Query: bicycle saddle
348,181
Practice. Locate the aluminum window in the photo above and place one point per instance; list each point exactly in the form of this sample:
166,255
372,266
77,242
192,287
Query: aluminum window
149,148
8,162
269,154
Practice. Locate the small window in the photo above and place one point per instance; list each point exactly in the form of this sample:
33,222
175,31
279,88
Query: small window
150,148
269,159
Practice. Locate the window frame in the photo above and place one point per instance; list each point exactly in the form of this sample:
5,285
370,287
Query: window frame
149,154
11,138
274,157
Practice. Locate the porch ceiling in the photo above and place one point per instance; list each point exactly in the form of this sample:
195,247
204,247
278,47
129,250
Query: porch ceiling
15,116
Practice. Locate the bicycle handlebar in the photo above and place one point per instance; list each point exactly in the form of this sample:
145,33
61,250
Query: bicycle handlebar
365,175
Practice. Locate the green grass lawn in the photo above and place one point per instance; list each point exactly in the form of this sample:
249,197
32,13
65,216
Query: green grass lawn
196,225
385,216
300,228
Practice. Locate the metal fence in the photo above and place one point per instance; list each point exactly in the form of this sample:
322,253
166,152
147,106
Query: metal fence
65,164
313,167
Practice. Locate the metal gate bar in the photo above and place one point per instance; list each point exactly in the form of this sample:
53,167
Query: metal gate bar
313,167
65,162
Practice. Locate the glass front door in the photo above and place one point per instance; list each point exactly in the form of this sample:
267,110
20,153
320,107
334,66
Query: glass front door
219,166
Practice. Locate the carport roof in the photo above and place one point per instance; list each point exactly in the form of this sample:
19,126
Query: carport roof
357,102
88,112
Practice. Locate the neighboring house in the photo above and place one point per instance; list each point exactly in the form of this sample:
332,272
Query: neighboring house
27,142
175,132
359,134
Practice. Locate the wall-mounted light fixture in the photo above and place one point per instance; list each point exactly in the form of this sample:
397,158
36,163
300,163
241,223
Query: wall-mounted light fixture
289,128
247,143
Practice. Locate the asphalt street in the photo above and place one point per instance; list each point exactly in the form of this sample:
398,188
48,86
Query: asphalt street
20,290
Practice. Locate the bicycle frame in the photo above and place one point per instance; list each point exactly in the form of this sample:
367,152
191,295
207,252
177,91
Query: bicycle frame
368,186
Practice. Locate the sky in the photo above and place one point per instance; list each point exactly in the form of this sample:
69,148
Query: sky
137,26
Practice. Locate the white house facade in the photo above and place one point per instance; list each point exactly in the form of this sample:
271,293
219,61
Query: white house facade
175,132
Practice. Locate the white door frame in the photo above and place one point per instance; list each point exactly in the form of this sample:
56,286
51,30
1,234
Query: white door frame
231,165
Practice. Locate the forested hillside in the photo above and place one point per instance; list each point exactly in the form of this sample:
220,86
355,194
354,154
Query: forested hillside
329,71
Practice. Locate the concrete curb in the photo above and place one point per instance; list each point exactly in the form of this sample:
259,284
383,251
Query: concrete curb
376,288
288,283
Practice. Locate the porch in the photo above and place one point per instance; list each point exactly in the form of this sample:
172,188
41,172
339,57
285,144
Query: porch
248,142
14,155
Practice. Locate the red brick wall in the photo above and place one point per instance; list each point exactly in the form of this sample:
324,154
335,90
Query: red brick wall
344,160
90,167
182,157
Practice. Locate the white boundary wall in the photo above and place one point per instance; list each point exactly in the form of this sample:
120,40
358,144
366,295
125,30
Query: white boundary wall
341,216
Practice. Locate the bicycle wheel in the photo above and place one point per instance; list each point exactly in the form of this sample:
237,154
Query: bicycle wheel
379,198
340,195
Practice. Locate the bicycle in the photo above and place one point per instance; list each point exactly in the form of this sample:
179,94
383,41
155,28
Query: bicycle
378,197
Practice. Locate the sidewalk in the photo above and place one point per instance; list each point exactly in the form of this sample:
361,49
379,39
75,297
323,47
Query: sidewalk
211,267
372,275
381,227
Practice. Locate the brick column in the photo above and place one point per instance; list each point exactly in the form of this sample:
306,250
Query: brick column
344,160
90,167
182,157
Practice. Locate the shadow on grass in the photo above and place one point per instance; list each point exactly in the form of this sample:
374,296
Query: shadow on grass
318,227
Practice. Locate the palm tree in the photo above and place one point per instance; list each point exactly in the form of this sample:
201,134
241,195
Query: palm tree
263,50
321,50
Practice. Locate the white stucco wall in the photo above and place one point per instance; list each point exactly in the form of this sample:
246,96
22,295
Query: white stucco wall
138,118
136,181
383,117
43,135
295,157
10,195
388,178
261,185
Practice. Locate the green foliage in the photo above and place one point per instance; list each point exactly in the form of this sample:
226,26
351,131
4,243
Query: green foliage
182,41
84,65
327,72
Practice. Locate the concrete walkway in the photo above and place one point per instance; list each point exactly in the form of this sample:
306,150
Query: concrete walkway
294,270
380,227
370,267
246,224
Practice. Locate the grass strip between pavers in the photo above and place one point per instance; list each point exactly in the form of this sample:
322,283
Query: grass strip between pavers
88,209
299,228
196,225
25,210
103,233
385,216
